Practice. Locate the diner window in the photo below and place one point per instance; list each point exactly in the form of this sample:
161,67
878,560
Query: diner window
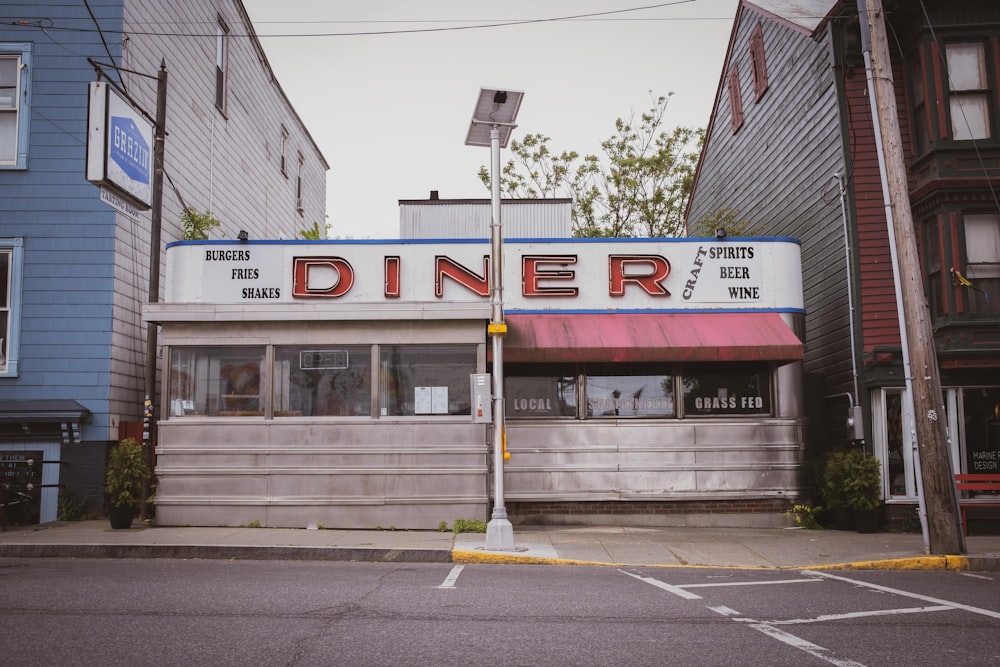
221,64
10,293
215,381
539,390
320,381
628,390
425,379
726,389
969,95
15,60
982,267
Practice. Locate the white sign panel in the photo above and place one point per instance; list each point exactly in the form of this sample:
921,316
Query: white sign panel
539,275
119,145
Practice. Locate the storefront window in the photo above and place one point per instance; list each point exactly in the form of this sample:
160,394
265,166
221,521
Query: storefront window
982,430
318,381
900,452
222,381
726,390
537,390
628,390
426,379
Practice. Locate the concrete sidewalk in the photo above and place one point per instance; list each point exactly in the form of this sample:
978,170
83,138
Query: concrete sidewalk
594,545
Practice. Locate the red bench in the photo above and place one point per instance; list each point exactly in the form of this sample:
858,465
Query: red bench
977,483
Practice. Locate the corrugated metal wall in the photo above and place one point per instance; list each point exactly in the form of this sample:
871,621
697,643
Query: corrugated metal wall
470,218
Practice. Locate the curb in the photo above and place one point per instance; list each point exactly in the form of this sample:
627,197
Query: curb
385,555
210,552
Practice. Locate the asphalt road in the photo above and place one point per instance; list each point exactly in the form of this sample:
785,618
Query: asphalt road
220,613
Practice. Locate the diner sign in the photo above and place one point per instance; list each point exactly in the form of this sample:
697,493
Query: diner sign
571,274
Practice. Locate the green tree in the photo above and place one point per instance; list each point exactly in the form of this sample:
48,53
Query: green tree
726,218
639,187
196,226
311,234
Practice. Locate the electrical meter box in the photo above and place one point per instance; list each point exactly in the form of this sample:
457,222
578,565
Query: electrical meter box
855,424
482,399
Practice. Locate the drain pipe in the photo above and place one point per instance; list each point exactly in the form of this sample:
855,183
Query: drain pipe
850,282
877,128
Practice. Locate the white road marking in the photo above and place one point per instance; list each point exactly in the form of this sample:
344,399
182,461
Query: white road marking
916,596
676,590
724,611
859,614
803,645
763,627
751,583
449,581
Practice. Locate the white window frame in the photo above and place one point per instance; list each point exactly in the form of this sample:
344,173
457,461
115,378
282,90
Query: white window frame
956,445
968,96
21,103
11,304
982,257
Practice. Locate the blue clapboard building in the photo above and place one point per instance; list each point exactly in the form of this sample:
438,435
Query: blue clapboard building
75,255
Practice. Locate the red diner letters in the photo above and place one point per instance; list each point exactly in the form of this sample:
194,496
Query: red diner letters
541,276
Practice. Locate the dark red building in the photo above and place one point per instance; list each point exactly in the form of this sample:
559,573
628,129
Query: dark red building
790,151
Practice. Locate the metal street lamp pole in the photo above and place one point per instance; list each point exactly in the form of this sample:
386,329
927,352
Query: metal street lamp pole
497,111
499,531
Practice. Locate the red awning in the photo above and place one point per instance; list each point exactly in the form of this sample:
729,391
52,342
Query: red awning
642,337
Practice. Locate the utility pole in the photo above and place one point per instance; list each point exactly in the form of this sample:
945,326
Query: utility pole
944,532
156,223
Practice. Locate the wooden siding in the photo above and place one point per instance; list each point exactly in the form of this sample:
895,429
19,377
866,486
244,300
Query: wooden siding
777,171
86,267
879,314
69,237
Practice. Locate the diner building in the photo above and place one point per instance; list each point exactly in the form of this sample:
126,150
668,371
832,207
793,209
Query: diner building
332,383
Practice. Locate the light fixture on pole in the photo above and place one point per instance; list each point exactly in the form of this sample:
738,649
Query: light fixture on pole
492,124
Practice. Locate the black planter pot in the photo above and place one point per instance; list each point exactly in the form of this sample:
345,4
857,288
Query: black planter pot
843,518
868,521
121,516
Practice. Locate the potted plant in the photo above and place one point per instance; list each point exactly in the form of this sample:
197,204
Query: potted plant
863,488
124,477
833,489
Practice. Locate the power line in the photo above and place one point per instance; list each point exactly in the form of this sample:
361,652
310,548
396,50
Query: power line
476,24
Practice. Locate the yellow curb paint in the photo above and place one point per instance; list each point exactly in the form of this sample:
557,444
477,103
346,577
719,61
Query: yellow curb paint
953,563
462,556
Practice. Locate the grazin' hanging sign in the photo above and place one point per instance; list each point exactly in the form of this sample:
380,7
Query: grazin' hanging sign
613,274
119,146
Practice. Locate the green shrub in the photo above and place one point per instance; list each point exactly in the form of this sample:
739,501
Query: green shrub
469,526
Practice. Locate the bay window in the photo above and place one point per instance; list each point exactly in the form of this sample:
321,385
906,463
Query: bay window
982,257
968,95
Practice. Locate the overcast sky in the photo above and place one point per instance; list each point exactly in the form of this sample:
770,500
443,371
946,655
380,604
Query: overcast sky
390,111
